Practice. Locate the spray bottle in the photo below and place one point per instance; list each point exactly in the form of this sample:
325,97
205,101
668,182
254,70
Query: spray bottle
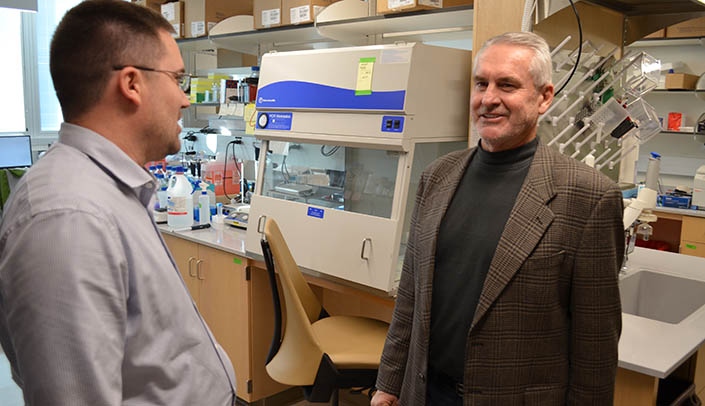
204,202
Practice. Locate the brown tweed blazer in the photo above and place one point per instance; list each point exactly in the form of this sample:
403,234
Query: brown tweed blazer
547,325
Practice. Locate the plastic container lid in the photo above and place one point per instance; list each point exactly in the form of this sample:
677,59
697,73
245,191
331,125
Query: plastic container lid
655,155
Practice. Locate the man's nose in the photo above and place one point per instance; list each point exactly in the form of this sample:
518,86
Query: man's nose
490,95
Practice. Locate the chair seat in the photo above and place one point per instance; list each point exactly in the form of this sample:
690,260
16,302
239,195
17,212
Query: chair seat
351,342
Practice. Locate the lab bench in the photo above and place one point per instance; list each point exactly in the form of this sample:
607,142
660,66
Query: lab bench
653,351
232,291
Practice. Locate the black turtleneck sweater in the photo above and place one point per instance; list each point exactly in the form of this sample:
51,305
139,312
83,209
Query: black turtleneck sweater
467,239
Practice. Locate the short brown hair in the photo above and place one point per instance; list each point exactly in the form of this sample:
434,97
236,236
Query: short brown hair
94,37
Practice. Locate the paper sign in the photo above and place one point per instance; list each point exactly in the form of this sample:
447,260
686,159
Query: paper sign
364,76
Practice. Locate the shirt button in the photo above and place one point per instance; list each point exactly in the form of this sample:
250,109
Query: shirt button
422,377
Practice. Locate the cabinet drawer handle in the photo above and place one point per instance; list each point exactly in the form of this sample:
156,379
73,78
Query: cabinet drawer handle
260,224
362,251
198,270
190,267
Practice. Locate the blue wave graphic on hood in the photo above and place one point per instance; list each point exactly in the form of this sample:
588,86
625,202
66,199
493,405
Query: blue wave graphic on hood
306,95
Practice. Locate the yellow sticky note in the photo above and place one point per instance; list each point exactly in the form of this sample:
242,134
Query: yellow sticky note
364,76
249,117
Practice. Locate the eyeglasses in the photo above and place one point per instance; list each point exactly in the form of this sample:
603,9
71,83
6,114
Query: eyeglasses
182,79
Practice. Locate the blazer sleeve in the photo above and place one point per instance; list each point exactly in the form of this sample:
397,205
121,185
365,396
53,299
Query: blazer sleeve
396,348
595,306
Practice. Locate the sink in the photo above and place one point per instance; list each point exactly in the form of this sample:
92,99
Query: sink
661,297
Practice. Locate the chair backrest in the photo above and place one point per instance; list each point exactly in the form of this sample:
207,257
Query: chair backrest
297,361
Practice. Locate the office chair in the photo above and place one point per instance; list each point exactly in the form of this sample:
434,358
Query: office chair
318,352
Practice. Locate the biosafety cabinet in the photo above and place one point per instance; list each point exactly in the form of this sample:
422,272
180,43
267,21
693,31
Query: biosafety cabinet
347,133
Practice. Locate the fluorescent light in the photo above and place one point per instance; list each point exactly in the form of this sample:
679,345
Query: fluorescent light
425,32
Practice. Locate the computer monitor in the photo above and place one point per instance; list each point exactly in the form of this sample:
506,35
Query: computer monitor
15,151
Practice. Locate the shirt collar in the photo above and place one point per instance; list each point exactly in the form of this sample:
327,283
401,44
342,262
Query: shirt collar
114,161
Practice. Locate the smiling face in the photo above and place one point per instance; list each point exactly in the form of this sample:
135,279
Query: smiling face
505,102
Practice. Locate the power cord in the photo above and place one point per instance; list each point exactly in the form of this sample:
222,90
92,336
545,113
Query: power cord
225,165
331,152
580,47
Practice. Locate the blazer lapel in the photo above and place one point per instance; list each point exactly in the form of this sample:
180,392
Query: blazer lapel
528,220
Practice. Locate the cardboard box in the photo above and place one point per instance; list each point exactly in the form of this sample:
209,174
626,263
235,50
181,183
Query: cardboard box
296,12
690,28
174,13
395,6
267,13
179,30
657,34
682,81
201,15
153,4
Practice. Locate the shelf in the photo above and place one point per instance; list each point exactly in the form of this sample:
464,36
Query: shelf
438,25
676,91
680,132
662,42
441,25
650,7
194,44
280,38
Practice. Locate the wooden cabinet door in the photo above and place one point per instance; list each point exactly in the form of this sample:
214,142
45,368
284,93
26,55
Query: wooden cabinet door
693,229
225,305
696,249
185,254
699,378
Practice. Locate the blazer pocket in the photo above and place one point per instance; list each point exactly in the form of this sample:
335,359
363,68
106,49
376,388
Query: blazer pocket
545,396
539,279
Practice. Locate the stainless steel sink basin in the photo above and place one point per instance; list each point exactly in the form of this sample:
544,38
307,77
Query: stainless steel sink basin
661,297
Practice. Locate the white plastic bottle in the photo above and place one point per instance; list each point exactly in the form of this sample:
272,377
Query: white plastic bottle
162,186
180,202
653,170
204,205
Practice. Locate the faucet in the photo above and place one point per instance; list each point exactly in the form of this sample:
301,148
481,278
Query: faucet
629,243
645,230
636,229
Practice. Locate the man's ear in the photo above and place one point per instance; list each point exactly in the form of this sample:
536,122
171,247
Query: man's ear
545,98
131,85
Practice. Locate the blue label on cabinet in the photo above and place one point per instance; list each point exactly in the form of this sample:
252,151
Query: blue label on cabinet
315,212
274,121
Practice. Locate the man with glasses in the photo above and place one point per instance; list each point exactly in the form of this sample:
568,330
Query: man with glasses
92,308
